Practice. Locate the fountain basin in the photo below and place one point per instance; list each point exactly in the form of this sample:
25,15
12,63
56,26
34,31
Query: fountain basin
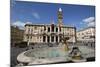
52,55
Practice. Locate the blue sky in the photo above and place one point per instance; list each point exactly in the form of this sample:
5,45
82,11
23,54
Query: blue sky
43,13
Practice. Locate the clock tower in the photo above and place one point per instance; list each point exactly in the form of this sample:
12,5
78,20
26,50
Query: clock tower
60,17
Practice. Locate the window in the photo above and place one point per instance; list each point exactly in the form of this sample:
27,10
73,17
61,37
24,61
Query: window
37,37
44,28
79,34
68,33
35,27
30,37
52,38
28,30
27,37
56,38
41,30
82,33
52,27
48,39
82,37
48,29
44,38
56,29
60,39
92,36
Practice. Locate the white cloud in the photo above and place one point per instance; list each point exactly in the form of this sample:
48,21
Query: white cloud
28,23
20,24
90,21
36,15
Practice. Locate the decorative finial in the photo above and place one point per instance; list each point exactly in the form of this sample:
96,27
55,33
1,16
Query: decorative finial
60,9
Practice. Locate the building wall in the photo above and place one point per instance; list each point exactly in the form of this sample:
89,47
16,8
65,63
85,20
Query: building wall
36,33
87,35
16,35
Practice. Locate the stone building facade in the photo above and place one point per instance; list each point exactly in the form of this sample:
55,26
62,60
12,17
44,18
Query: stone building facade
87,36
16,35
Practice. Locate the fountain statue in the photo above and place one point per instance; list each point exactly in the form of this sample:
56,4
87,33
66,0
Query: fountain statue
65,44
76,54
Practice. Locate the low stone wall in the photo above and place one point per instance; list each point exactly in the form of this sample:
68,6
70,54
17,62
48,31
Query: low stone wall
89,44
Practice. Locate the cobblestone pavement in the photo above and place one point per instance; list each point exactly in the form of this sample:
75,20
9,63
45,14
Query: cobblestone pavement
14,53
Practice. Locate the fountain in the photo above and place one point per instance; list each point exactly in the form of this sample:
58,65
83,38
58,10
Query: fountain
62,53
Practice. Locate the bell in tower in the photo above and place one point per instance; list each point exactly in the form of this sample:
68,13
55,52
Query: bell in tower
60,17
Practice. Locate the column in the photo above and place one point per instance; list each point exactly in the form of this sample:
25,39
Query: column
58,29
50,39
42,39
54,39
46,39
58,39
54,29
